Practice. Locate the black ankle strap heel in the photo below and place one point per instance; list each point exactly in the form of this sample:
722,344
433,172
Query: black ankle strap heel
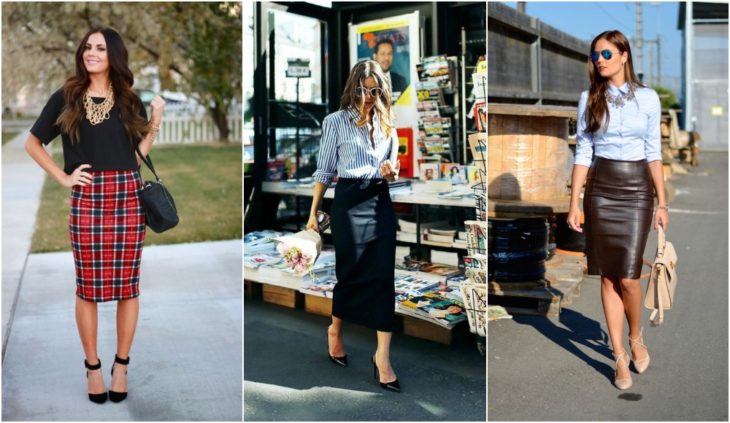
113,395
96,398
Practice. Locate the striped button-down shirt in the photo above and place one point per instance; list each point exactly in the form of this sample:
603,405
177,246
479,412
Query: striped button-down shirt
633,130
345,149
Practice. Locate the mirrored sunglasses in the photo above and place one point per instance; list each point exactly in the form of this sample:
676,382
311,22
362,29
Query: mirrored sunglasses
606,54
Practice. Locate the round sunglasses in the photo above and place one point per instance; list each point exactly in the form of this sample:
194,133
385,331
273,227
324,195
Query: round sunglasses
374,92
606,54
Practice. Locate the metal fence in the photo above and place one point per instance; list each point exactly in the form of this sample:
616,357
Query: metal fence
531,62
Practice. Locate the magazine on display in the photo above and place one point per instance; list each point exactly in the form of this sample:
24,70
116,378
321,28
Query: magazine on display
434,307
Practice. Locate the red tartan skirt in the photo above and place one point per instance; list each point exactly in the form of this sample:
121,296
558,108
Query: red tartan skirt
107,230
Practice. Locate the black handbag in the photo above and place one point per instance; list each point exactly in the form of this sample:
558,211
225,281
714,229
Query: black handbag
159,207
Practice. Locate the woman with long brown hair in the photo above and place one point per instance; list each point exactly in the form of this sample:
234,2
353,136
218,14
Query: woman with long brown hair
101,121
618,156
360,145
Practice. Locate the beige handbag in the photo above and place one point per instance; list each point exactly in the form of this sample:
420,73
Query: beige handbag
662,280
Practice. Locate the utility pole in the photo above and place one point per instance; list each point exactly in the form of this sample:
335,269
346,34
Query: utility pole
639,43
658,6
650,68
659,59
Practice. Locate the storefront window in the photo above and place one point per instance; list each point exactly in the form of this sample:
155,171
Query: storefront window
297,37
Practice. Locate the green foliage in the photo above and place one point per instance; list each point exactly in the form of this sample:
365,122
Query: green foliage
9,136
195,47
667,97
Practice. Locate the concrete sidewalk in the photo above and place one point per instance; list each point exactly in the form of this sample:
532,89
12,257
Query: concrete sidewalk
22,181
186,358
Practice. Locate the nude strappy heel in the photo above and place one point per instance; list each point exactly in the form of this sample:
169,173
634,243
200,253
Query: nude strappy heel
625,383
640,365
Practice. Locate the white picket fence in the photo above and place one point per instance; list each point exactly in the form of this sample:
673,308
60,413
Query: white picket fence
196,129
180,129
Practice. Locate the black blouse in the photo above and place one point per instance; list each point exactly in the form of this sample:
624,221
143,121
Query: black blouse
104,146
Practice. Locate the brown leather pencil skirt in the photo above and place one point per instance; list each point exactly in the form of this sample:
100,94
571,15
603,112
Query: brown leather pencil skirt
618,206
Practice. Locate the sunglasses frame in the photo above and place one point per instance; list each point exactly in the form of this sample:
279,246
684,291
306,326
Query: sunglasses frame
595,54
362,90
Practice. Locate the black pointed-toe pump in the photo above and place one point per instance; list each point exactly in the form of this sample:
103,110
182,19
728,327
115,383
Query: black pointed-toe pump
97,398
113,395
340,361
390,386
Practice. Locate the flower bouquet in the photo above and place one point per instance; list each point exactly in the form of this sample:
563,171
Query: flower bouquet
300,250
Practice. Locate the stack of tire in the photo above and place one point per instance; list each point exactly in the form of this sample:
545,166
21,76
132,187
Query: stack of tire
517,249
568,239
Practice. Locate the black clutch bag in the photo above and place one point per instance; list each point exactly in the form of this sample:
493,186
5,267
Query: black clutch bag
159,207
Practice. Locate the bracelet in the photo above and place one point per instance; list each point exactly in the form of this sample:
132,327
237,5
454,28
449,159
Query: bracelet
154,128
663,207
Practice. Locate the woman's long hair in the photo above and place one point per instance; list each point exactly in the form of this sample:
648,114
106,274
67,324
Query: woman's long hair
69,121
351,97
597,114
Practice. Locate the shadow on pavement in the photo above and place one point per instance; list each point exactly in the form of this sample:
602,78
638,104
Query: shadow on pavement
579,330
288,376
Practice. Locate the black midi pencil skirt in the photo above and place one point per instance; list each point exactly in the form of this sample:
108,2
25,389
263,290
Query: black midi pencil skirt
618,206
363,232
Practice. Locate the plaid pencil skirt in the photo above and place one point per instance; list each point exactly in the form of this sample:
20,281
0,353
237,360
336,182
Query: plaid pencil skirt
107,230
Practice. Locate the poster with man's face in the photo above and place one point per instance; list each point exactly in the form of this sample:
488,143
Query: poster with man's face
390,42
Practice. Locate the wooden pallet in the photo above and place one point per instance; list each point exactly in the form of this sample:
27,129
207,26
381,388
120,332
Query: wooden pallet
563,277
539,301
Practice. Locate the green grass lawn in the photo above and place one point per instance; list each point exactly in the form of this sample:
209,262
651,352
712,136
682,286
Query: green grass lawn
204,180
8,136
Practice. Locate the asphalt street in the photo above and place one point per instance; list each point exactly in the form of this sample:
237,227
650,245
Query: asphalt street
545,369
287,375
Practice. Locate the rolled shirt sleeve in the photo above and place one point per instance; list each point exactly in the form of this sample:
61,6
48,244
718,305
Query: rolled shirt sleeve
327,161
653,140
584,140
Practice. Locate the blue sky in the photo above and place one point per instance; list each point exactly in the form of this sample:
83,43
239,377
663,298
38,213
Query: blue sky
585,20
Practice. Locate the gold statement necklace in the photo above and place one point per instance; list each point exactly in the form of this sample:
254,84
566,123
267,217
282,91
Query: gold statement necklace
98,113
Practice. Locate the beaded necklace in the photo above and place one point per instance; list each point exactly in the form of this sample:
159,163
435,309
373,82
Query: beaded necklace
621,99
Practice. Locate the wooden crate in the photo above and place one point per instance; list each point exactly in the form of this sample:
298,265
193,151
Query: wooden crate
318,305
425,330
282,296
527,155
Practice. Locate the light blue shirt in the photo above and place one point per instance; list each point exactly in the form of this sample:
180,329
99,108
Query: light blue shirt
633,130
345,149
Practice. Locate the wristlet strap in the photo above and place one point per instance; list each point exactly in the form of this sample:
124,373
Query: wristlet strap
148,161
